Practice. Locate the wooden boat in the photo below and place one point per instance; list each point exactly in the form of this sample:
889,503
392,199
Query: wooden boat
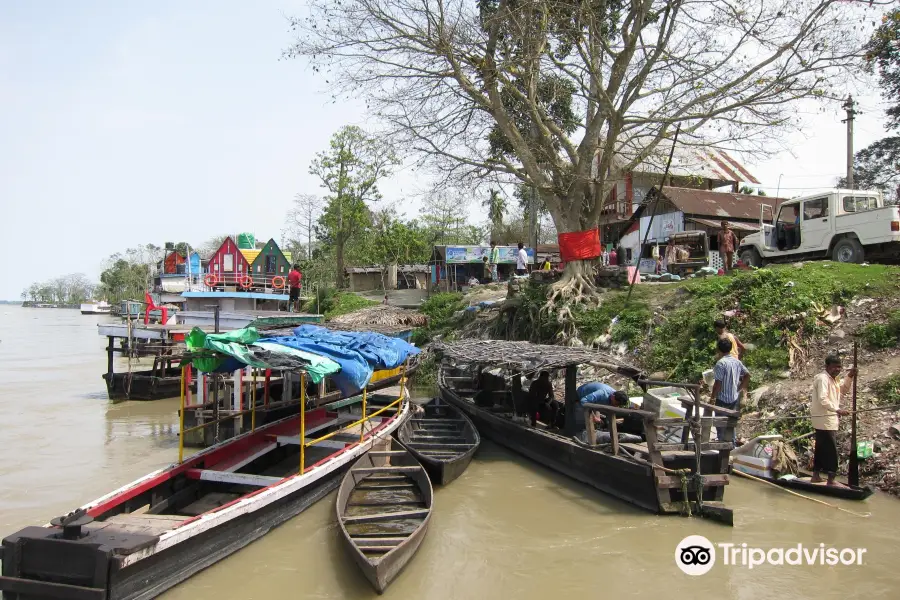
443,439
752,459
383,506
646,474
142,539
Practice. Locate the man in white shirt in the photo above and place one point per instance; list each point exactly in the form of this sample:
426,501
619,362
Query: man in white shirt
824,410
521,261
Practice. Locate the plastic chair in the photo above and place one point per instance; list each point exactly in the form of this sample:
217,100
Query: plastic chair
151,305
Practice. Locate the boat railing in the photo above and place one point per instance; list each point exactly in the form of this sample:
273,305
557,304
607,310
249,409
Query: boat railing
250,282
304,443
360,422
231,414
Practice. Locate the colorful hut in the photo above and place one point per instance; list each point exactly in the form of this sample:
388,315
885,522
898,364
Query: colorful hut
269,264
228,266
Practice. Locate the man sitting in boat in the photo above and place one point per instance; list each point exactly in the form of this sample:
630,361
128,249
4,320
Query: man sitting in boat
596,392
542,401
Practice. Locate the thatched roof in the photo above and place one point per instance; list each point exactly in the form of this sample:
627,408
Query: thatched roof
526,357
382,315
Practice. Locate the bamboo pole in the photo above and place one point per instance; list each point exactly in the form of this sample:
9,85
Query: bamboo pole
302,422
362,428
784,489
853,467
181,421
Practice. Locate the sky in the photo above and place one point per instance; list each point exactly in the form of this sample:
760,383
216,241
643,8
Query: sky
125,123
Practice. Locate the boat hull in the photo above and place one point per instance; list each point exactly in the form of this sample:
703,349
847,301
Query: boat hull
143,385
442,472
618,477
119,563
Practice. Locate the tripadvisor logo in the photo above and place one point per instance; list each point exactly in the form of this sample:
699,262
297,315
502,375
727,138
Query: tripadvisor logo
696,555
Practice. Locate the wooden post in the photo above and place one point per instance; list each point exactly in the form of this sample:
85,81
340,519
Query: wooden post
853,467
302,422
266,388
589,427
110,361
572,403
181,422
516,393
613,434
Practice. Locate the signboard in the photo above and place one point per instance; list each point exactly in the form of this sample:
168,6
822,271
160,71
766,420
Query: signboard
476,254
668,226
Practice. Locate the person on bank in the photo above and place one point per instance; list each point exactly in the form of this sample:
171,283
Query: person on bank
542,401
294,279
494,261
737,347
521,261
824,410
732,380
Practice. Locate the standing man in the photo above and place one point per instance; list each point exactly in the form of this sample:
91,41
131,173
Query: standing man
542,401
824,410
732,379
294,279
737,347
613,258
727,244
494,259
604,256
521,261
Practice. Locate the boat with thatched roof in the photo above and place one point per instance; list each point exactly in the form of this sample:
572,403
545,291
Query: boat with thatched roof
483,379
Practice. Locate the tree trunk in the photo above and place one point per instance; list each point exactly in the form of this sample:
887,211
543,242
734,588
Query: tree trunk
576,286
339,251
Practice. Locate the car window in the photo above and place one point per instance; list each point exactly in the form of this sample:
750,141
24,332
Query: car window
786,215
859,203
815,209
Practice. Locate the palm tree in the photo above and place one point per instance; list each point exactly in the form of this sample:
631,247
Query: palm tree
496,206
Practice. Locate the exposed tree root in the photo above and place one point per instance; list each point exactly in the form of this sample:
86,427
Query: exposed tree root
574,289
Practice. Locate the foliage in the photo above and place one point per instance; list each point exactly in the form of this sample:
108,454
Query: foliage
68,289
746,189
496,208
887,391
300,225
772,304
789,428
624,323
878,165
443,215
392,241
426,372
440,309
883,335
350,171
332,303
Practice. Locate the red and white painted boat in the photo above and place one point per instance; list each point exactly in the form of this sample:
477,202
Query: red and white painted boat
148,536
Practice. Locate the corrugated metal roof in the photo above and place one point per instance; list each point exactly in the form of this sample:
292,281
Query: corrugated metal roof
733,224
250,255
690,161
718,204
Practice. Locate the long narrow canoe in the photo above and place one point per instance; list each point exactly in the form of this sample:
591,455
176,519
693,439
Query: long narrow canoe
384,505
443,439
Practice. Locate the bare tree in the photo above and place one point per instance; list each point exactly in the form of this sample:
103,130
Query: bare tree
550,92
302,218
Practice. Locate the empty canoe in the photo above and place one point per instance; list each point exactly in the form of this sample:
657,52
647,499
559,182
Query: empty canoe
443,439
383,507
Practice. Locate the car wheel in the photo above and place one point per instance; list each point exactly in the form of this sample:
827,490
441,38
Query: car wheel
848,251
751,257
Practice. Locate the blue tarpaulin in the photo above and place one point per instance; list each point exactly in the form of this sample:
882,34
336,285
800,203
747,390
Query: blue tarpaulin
358,353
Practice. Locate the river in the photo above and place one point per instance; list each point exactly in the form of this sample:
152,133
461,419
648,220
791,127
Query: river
506,529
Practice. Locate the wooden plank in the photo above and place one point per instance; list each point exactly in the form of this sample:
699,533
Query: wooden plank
383,503
438,420
364,485
404,514
621,412
44,589
388,452
249,458
677,422
233,478
380,541
690,446
387,469
442,446
673,481
373,549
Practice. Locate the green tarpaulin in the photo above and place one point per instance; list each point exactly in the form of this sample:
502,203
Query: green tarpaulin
241,345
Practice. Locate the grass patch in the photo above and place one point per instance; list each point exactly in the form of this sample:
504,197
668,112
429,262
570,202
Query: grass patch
332,302
440,309
887,391
771,304
628,324
880,336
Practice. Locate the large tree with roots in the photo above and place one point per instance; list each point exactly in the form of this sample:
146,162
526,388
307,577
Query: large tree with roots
567,95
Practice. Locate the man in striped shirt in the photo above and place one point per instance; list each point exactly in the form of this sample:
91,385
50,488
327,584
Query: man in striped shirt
732,377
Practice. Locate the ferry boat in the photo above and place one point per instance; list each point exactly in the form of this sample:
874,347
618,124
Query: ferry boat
96,308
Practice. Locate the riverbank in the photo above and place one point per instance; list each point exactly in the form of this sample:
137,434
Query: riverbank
792,316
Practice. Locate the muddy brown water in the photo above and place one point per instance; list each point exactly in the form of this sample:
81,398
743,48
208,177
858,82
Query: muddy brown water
506,529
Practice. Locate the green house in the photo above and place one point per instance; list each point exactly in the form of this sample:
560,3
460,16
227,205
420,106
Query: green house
268,264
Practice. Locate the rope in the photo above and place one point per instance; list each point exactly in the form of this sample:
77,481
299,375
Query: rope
849,412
